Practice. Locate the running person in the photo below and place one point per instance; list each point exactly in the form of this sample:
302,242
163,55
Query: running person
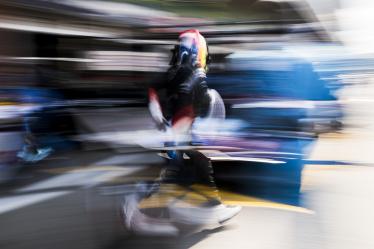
187,97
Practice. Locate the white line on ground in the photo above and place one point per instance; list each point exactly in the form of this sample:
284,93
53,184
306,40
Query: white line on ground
69,179
83,178
15,202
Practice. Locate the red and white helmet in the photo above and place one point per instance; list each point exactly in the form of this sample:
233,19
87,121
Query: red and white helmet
192,48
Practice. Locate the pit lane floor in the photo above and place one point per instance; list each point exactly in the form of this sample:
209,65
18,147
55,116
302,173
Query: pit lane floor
64,205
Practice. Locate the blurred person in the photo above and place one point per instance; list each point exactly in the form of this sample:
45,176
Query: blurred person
186,97
49,126
33,150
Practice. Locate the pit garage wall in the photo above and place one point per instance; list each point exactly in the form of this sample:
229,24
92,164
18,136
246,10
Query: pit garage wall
14,43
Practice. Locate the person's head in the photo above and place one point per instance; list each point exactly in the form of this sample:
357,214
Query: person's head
191,50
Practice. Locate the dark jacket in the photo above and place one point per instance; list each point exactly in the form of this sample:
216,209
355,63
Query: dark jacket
184,87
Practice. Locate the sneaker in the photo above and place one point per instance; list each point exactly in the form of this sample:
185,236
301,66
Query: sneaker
193,215
140,224
34,157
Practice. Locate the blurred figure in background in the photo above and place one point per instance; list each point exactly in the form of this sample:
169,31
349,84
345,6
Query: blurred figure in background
48,126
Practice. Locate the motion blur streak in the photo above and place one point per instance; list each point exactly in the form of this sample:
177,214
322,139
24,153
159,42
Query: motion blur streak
186,124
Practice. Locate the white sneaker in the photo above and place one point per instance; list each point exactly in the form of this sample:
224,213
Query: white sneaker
192,215
34,157
140,224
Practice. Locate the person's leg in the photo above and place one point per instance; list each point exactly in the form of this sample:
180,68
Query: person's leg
203,175
31,151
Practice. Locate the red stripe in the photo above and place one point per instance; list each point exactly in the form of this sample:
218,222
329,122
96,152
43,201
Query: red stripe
152,95
185,112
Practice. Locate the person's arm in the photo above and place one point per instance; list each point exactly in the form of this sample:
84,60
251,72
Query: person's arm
201,97
154,104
